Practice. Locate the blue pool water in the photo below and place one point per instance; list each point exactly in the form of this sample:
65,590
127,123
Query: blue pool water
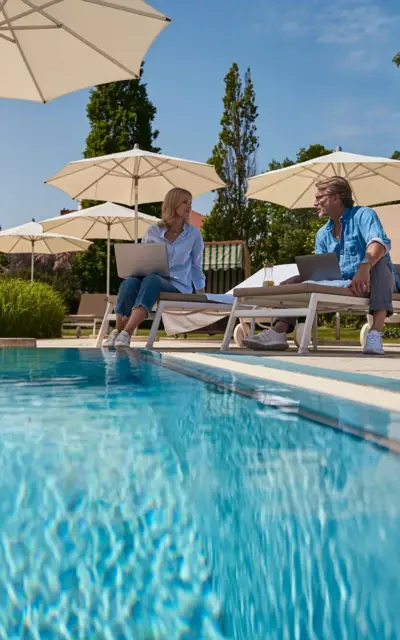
137,502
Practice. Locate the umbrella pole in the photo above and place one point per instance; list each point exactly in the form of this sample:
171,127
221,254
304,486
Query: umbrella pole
108,260
136,209
32,259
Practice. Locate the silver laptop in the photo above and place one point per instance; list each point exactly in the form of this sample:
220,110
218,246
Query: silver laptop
323,266
141,260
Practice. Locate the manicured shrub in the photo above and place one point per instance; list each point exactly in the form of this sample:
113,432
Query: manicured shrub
30,310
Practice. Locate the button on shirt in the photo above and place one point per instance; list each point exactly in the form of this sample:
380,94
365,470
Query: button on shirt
185,256
360,227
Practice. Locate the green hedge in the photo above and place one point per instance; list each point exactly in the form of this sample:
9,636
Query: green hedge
30,310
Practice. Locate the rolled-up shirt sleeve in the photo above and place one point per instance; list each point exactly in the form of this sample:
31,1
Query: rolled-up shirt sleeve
372,230
198,277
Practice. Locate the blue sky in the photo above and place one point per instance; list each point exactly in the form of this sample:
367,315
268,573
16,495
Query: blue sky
322,73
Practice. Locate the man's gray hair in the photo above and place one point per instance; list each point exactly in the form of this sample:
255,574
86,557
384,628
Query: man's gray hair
337,186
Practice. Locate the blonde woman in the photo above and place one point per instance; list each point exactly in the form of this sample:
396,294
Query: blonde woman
137,296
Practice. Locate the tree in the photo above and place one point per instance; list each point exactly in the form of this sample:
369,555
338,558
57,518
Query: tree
271,232
396,59
120,115
291,232
233,216
396,155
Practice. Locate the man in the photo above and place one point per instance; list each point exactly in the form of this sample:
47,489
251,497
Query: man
357,237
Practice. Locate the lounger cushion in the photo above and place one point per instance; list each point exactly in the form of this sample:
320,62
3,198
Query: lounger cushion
287,289
185,297
290,289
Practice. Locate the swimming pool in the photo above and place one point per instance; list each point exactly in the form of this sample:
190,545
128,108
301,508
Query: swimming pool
138,502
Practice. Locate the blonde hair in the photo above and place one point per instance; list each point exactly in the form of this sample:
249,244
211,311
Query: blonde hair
171,202
337,186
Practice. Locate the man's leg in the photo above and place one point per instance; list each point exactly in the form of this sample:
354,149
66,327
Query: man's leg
380,304
274,339
282,326
382,285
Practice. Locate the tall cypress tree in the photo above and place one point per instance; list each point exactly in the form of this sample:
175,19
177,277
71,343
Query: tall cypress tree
234,157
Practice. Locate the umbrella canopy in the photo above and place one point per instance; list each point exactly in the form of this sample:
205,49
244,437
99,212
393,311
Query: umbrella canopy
100,222
48,49
373,180
30,238
134,177
390,218
105,221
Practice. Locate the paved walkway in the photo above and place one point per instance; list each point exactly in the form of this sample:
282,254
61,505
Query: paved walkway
345,359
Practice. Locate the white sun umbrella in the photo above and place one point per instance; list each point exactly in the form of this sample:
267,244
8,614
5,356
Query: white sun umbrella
105,221
134,177
373,180
30,238
390,218
50,48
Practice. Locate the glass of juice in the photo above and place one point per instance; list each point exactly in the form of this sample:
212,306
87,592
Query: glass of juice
268,275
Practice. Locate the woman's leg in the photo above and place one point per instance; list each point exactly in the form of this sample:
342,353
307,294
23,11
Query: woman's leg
126,300
149,292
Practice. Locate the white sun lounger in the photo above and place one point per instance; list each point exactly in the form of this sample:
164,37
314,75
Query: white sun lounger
184,313
172,302
295,300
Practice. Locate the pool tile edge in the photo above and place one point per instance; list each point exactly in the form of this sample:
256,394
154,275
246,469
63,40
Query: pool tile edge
376,397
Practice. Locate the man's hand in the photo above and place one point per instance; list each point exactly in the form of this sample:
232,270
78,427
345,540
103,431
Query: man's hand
360,284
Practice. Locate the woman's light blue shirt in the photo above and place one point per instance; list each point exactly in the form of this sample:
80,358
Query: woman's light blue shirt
185,256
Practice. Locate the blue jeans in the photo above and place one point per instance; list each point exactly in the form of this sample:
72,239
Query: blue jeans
141,292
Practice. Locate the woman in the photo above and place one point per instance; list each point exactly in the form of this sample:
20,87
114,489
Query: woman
137,296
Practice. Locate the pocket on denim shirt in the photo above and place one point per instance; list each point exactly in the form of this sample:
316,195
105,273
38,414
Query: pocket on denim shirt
353,248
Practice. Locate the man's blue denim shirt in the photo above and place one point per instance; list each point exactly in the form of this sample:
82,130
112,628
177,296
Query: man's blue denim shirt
360,227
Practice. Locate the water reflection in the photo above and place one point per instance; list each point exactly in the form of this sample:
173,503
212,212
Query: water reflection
167,506
299,520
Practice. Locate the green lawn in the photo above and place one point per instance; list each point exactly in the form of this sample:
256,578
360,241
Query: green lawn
324,333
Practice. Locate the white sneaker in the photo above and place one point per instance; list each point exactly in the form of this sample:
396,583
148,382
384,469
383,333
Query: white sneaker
110,342
269,339
373,344
123,340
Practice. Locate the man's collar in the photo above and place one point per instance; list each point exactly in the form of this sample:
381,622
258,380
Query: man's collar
345,214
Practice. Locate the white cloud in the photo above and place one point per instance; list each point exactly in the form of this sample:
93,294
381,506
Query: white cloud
358,27
360,60
349,121
352,22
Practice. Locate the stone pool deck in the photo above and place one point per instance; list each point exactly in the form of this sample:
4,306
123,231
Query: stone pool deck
347,359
